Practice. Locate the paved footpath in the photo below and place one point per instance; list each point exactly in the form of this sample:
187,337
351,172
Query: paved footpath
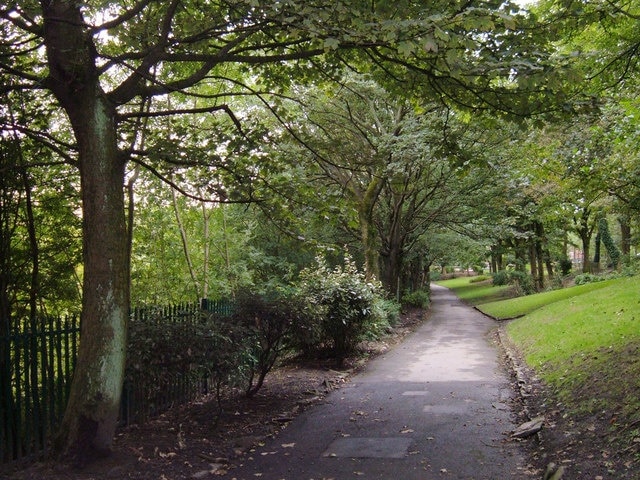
434,407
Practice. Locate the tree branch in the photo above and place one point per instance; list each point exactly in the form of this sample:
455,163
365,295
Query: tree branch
185,111
125,17
182,191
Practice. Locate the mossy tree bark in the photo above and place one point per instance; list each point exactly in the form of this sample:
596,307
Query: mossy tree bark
92,411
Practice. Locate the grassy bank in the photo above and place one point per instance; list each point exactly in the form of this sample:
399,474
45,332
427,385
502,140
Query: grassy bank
477,292
587,345
583,341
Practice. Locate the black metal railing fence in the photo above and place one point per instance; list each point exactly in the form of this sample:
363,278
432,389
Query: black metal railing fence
36,366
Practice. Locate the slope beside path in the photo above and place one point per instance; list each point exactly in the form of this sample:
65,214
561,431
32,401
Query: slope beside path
436,406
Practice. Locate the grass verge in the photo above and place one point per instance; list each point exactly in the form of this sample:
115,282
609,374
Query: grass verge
587,348
516,307
477,293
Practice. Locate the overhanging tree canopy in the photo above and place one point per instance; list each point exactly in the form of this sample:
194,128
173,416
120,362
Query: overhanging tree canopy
104,62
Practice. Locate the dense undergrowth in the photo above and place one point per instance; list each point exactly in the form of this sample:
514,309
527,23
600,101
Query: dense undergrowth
326,313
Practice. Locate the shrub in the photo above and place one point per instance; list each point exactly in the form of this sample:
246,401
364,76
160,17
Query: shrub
161,349
522,281
584,278
266,323
306,335
565,266
479,278
418,298
346,300
384,314
501,278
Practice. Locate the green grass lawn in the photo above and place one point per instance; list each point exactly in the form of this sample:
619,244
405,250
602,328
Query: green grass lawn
586,345
515,307
476,293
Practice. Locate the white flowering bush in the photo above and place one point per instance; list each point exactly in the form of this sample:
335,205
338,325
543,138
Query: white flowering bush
343,301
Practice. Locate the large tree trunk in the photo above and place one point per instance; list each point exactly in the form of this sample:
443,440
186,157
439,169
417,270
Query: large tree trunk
91,415
90,418
586,252
368,234
392,259
585,231
540,241
370,246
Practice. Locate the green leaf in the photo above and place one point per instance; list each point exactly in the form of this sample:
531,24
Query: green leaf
406,49
331,43
430,45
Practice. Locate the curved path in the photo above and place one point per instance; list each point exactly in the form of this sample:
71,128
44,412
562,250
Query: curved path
436,406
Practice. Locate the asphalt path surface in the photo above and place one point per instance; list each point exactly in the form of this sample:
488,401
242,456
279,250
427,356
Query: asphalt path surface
435,406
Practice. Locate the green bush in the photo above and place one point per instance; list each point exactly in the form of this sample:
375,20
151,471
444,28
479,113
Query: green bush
385,314
588,278
501,278
479,278
161,348
522,281
267,323
418,298
343,301
565,266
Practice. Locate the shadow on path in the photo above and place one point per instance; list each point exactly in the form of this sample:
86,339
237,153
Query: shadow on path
436,406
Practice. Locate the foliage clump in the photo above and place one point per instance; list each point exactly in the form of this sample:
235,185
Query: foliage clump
501,278
203,351
479,278
327,309
610,245
343,311
266,325
565,265
418,298
522,281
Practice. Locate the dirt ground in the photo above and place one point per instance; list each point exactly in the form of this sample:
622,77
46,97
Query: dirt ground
189,443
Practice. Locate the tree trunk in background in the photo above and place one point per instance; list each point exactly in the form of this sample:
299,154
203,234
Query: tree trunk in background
533,261
585,231
625,236
369,236
596,254
92,411
586,252
540,242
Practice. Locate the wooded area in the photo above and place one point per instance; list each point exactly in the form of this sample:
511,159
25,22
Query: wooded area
160,152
